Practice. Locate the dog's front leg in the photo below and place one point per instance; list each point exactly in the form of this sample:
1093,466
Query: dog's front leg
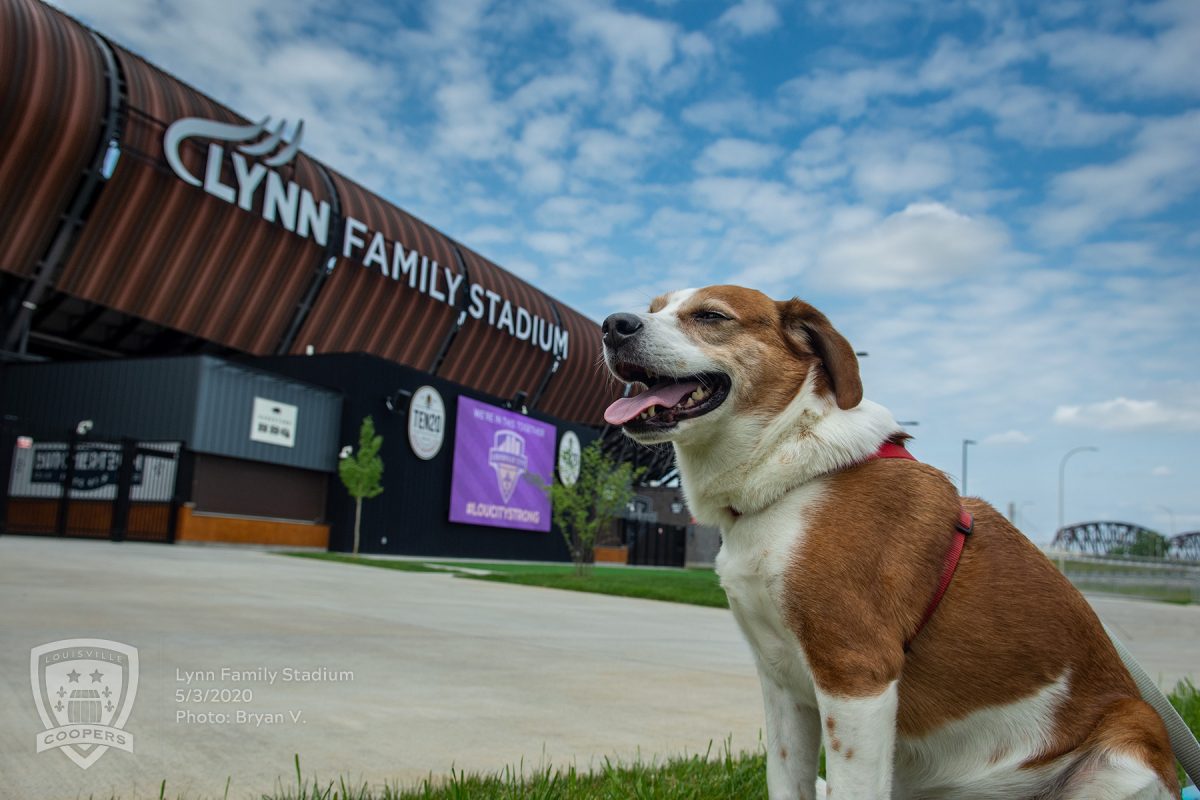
793,743
860,739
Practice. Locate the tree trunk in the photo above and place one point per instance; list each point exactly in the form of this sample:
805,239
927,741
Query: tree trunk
357,521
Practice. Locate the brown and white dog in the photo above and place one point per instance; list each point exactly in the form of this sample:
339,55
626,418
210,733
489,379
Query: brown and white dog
829,560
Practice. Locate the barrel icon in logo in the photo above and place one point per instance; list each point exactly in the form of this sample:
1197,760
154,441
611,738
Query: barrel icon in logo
84,705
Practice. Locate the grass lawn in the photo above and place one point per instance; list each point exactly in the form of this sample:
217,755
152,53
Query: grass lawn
695,586
697,777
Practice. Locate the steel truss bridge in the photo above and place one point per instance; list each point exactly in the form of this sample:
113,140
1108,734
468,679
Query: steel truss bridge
1100,538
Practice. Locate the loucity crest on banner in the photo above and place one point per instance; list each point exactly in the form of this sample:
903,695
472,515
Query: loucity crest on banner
507,457
84,690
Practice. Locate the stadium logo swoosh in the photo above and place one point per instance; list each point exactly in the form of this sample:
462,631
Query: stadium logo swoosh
190,127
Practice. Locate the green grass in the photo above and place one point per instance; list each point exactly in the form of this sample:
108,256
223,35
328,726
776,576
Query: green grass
403,566
698,777
1186,699
1146,591
694,586
697,587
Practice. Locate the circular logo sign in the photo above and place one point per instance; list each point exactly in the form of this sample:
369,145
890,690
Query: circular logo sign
426,422
568,458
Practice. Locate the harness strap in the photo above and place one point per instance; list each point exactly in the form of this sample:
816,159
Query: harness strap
966,524
962,529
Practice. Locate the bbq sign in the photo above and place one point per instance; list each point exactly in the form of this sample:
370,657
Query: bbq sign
256,150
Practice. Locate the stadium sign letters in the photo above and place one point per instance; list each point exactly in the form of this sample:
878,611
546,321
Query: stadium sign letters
258,188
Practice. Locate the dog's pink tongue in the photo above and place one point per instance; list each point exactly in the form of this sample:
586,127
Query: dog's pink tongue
664,394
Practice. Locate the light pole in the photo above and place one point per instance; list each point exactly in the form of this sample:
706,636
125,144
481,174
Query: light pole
966,443
1062,471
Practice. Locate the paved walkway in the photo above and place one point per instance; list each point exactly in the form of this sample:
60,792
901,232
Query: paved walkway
446,672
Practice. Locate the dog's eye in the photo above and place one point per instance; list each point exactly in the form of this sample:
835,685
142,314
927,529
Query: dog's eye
708,316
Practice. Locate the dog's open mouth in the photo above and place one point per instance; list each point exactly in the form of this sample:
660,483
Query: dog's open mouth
664,401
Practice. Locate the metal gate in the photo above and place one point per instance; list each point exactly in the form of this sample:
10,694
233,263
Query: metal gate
651,542
89,488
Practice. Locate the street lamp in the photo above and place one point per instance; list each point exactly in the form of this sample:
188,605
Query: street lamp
1062,471
966,443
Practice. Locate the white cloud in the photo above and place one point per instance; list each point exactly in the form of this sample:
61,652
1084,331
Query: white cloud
553,243
924,245
736,155
770,206
1131,64
1008,437
846,93
1162,471
585,215
1162,169
751,17
890,166
639,48
1125,414
1039,117
734,113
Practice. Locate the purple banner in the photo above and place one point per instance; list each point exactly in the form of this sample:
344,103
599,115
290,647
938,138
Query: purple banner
496,452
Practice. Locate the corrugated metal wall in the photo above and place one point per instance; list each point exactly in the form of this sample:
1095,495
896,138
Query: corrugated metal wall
202,401
224,408
159,249
52,99
145,399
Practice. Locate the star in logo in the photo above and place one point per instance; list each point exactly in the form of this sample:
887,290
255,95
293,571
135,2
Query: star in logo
96,676
73,676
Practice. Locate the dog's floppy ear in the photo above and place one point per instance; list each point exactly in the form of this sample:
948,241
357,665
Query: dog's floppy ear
806,329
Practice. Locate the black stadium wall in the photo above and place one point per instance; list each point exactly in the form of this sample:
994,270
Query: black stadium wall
411,517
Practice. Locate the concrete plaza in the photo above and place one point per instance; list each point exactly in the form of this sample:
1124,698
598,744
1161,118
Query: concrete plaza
401,674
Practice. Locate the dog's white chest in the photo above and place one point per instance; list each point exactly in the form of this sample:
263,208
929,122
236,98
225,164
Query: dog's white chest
752,564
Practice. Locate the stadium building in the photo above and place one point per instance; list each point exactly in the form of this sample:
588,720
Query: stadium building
196,316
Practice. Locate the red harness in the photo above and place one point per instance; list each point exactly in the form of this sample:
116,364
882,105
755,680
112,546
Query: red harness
962,529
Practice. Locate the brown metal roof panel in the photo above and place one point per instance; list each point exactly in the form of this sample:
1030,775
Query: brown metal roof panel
369,304
582,389
52,102
485,354
170,252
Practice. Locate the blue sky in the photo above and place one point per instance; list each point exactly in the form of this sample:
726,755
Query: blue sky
998,201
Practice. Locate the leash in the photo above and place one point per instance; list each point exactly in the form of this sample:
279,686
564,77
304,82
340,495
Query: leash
1183,743
962,529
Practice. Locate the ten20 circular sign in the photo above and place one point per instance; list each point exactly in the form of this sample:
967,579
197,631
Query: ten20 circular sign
426,422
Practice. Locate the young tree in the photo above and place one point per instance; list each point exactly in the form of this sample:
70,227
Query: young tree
362,470
590,505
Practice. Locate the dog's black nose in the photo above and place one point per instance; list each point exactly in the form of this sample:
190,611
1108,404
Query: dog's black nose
620,327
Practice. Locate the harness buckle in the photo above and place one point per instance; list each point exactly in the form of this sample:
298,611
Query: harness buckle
966,522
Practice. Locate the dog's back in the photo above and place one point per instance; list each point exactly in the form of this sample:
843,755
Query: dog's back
1013,689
